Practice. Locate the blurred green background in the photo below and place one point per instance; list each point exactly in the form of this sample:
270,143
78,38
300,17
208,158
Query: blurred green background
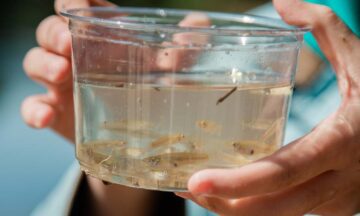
31,161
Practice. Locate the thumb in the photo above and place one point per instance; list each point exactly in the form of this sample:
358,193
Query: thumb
335,39
68,4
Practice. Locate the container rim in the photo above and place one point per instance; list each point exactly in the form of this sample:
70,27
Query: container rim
270,27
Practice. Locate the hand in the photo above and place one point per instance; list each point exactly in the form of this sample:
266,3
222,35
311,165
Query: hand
50,65
317,173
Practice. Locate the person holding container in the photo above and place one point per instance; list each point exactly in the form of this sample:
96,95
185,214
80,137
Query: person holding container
316,173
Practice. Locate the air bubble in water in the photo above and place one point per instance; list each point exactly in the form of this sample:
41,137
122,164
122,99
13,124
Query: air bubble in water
162,13
235,75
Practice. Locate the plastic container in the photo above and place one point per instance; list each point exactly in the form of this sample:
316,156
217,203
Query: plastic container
160,94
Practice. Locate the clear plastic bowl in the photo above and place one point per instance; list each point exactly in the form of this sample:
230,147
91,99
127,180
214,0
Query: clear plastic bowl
160,94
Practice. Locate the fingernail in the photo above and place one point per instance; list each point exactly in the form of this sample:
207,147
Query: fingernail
201,186
204,188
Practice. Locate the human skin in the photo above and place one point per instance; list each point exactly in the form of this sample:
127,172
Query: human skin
317,173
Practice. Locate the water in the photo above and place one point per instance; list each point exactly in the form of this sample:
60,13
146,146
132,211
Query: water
156,136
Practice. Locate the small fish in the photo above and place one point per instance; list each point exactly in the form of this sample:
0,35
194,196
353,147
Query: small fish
134,128
226,95
167,140
272,130
108,161
98,150
234,159
175,159
97,157
251,147
208,126
133,152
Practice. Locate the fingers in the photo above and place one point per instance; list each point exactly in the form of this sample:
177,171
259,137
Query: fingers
294,201
177,58
213,204
292,165
304,198
53,35
184,195
37,111
46,67
328,29
68,4
335,39
346,204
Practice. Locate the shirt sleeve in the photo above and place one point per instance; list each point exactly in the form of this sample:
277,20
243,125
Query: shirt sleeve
59,202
